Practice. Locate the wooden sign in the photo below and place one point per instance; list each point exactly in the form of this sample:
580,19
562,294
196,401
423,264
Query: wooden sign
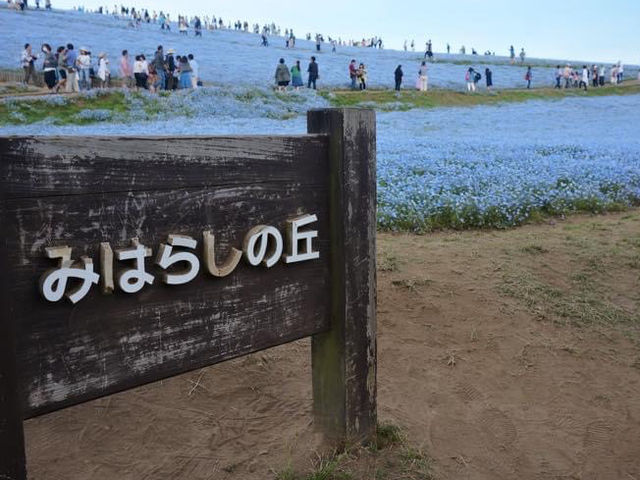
128,260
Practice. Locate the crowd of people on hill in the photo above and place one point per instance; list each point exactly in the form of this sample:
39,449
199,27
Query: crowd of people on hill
568,77
285,76
23,5
72,70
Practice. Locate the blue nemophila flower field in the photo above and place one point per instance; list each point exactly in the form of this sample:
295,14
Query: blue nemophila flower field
500,166
490,166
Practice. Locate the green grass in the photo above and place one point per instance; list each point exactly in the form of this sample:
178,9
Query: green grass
583,297
389,456
406,99
32,111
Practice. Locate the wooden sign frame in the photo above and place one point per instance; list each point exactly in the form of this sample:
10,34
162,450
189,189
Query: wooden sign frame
103,197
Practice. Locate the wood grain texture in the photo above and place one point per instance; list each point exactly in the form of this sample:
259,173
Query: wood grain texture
344,358
106,343
43,166
12,454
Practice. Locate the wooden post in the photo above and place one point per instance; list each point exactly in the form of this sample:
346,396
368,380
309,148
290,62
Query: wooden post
12,456
344,358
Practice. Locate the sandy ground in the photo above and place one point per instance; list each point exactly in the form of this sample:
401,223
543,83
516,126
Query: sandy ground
503,354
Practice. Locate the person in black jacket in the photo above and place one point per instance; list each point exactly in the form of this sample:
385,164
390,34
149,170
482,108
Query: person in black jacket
488,77
313,73
398,76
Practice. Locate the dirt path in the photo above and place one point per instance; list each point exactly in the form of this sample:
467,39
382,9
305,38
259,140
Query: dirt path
512,354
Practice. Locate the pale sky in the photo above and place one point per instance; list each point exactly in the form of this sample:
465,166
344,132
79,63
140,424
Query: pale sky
598,30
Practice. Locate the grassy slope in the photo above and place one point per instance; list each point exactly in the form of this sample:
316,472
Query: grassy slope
450,98
32,110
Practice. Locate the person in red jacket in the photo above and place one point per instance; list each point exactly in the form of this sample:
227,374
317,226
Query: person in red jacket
353,74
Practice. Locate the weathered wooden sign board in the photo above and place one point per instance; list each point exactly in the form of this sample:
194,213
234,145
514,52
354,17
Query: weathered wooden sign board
128,260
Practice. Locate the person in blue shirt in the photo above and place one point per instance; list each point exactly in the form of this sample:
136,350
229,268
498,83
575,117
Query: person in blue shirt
70,64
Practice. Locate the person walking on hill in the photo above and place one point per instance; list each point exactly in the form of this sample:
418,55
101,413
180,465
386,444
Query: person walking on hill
584,79
470,78
566,75
103,70
159,66
522,56
296,76
422,83
488,77
313,72
125,70
62,71
49,67
362,76
84,69
185,74
528,77
283,77
140,72
398,74
558,76
72,70
27,61
353,74
512,54
195,71
620,72
170,69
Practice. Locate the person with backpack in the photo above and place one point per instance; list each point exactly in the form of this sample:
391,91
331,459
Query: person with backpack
422,83
283,77
488,78
27,60
398,74
313,73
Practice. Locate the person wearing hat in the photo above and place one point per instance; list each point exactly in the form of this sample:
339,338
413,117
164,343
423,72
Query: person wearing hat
103,70
84,69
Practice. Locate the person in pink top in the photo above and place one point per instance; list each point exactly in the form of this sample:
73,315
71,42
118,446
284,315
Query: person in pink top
126,70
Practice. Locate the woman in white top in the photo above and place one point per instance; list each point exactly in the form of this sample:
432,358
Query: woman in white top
141,71
83,62
423,79
103,70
